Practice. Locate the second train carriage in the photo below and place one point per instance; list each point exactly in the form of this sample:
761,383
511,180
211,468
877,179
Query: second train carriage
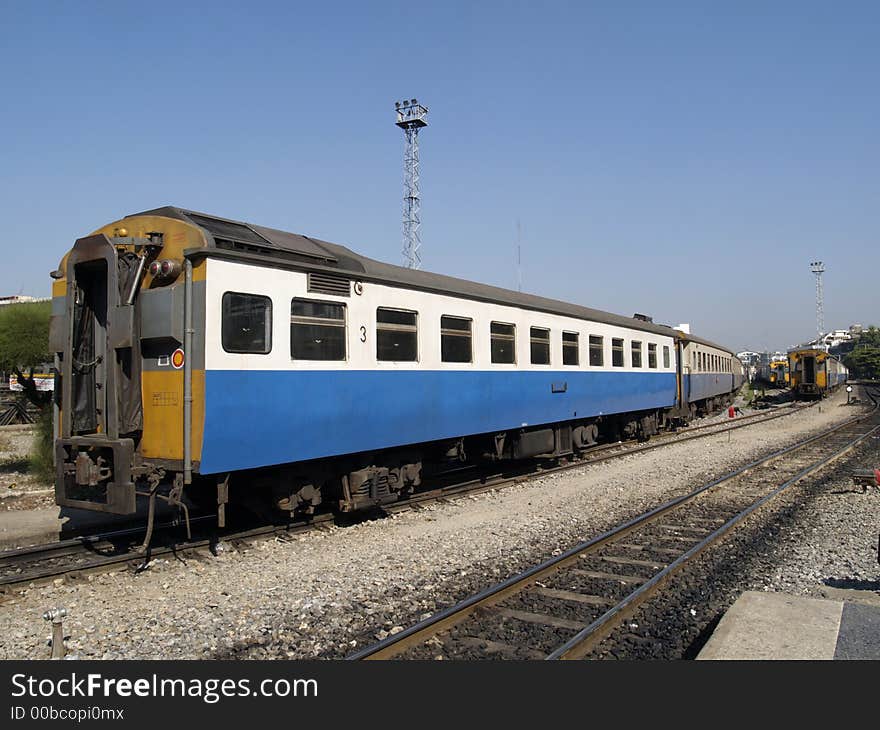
709,375
814,372
192,348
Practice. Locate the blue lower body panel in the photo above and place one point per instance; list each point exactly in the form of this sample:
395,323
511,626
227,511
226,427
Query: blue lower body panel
708,385
260,418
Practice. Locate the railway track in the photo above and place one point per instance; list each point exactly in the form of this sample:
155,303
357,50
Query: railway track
74,558
566,606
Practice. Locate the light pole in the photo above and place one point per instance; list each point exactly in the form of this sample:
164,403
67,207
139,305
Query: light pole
411,117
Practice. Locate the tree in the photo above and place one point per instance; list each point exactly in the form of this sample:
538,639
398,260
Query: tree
24,344
870,337
864,360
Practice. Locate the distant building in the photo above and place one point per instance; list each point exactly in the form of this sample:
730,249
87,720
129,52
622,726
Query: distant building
21,299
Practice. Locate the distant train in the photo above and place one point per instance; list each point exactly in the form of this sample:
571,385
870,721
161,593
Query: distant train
779,373
198,353
773,373
814,373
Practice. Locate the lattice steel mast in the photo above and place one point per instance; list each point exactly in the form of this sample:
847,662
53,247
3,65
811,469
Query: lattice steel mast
818,268
411,117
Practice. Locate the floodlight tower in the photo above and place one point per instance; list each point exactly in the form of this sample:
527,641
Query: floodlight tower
411,117
818,268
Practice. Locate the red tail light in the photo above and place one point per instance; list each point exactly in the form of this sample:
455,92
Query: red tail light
164,269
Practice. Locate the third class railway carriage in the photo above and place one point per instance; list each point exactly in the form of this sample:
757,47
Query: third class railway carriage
814,372
194,350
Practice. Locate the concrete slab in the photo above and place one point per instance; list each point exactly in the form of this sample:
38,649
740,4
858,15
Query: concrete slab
19,528
29,527
776,626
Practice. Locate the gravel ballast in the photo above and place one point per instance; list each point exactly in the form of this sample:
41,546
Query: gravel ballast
329,592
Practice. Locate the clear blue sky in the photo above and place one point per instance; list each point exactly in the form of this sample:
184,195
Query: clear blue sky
686,160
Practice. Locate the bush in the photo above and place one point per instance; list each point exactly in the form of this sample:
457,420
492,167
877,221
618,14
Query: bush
41,458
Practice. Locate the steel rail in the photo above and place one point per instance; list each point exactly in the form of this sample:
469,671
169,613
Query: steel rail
87,544
456,614
588,638
134,557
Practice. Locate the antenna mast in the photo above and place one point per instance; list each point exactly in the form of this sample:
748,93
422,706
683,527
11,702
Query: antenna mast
411,117
518,257
818,268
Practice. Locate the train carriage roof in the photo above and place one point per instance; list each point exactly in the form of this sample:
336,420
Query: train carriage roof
230,235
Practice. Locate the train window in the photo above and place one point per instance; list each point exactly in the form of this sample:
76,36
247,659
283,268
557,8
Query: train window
317,330
616,352
455,339
652,355
246,324
540,341
636,349
397,336
666,356
503,341
570,343
596,351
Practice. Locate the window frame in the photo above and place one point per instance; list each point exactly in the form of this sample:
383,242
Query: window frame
454,333
576,346
635,347
269,324
390,327
618,349
506,337
652,355
533,340
667,360
319,320
596,347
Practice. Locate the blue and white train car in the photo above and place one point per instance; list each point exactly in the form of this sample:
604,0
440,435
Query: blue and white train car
392,365
215,349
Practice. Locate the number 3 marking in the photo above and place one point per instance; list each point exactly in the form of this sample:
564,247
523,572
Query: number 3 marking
363,334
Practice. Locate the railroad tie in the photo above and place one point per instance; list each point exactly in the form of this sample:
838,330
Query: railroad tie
650,548
602,575
542,619
573,596
497,647
656,564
